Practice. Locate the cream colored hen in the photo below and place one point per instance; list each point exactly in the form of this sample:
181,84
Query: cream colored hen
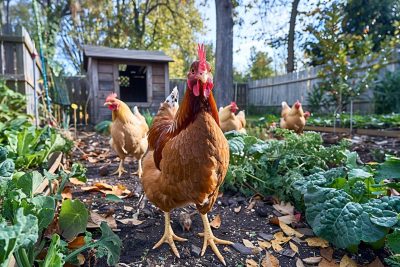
229,121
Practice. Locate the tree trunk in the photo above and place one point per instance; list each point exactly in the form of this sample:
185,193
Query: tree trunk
223,79
292,26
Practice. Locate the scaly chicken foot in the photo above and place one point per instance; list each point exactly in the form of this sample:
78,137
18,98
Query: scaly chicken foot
210,239
120,169
139,172
169,236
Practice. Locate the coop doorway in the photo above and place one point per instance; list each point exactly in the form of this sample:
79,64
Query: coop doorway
132,83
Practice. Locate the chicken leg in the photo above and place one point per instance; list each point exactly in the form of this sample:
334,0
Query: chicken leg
120,169
139,172
210,239
169,236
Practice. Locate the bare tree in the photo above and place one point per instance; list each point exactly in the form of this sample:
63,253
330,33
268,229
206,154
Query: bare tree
292,26
224,52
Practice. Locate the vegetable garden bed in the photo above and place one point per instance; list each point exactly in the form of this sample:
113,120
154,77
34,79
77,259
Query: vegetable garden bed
370,132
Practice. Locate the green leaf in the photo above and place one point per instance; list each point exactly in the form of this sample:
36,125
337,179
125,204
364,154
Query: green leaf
45,207
3,153
22,234
110,243
351,159
333,216
390,169
7,168
113,198
54,256
393,241
73,218
358,173
29,182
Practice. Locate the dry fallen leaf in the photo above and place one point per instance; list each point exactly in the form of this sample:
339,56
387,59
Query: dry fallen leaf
326,253
92,160
287,219
312,260
248,243
276,246
347,262
237,209
251,263
317,242
103,186
376,263
133,221
216,223
81,259
251,205
90,188
299,263
269,261
325,263
289,230
294,247
78,242
75,181
284,208
264,244
281,238
127,208
67,193
96,219
274,220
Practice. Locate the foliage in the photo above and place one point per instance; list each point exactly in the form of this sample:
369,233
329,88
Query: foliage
12,104
260,65
387,94
377,17
348,205
270,167
349,65
149,118
26,215
30,147
359,121
103,127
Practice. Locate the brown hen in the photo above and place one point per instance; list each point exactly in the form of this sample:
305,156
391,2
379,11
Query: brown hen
188,156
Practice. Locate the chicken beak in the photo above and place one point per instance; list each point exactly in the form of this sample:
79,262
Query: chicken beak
203,77
107,103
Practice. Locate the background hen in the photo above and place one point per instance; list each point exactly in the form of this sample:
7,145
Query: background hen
189,155
128,132
293,118
229,121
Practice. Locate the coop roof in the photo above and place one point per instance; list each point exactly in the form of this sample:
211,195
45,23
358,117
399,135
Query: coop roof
119,53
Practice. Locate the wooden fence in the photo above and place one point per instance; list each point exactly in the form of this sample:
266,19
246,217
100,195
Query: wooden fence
270,92
17,65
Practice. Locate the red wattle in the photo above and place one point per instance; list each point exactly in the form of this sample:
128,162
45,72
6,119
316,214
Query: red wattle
196,88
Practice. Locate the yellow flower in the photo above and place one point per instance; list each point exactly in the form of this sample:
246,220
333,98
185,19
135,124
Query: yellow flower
74,106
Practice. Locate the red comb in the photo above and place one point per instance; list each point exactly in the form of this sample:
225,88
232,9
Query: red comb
201,51
111,96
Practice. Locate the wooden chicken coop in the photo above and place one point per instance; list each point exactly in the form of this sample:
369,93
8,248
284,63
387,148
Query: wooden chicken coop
139,78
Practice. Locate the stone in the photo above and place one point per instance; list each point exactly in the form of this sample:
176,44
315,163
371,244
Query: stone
195,250
242,249
265,236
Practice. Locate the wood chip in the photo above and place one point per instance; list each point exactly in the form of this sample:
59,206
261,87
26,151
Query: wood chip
326,253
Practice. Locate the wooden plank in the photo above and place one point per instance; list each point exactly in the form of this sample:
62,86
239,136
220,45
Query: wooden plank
108,86
95,87
116,79
107,77
106,68
149,83
327,129
159,79
375,132
9,51
166,80
158,69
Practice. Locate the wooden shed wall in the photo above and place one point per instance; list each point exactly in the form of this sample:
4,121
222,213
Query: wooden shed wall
103,79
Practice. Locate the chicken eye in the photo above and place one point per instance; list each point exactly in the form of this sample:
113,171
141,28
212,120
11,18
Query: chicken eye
192,71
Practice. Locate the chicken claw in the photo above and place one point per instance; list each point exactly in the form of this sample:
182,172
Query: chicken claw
169,236
210,239
120,169
139,172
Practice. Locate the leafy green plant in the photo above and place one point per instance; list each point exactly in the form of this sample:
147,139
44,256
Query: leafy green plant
349,205
387,94
12,104
271,166
103,127
25,214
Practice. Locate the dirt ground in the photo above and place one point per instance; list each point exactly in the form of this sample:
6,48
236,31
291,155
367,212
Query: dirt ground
251,224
